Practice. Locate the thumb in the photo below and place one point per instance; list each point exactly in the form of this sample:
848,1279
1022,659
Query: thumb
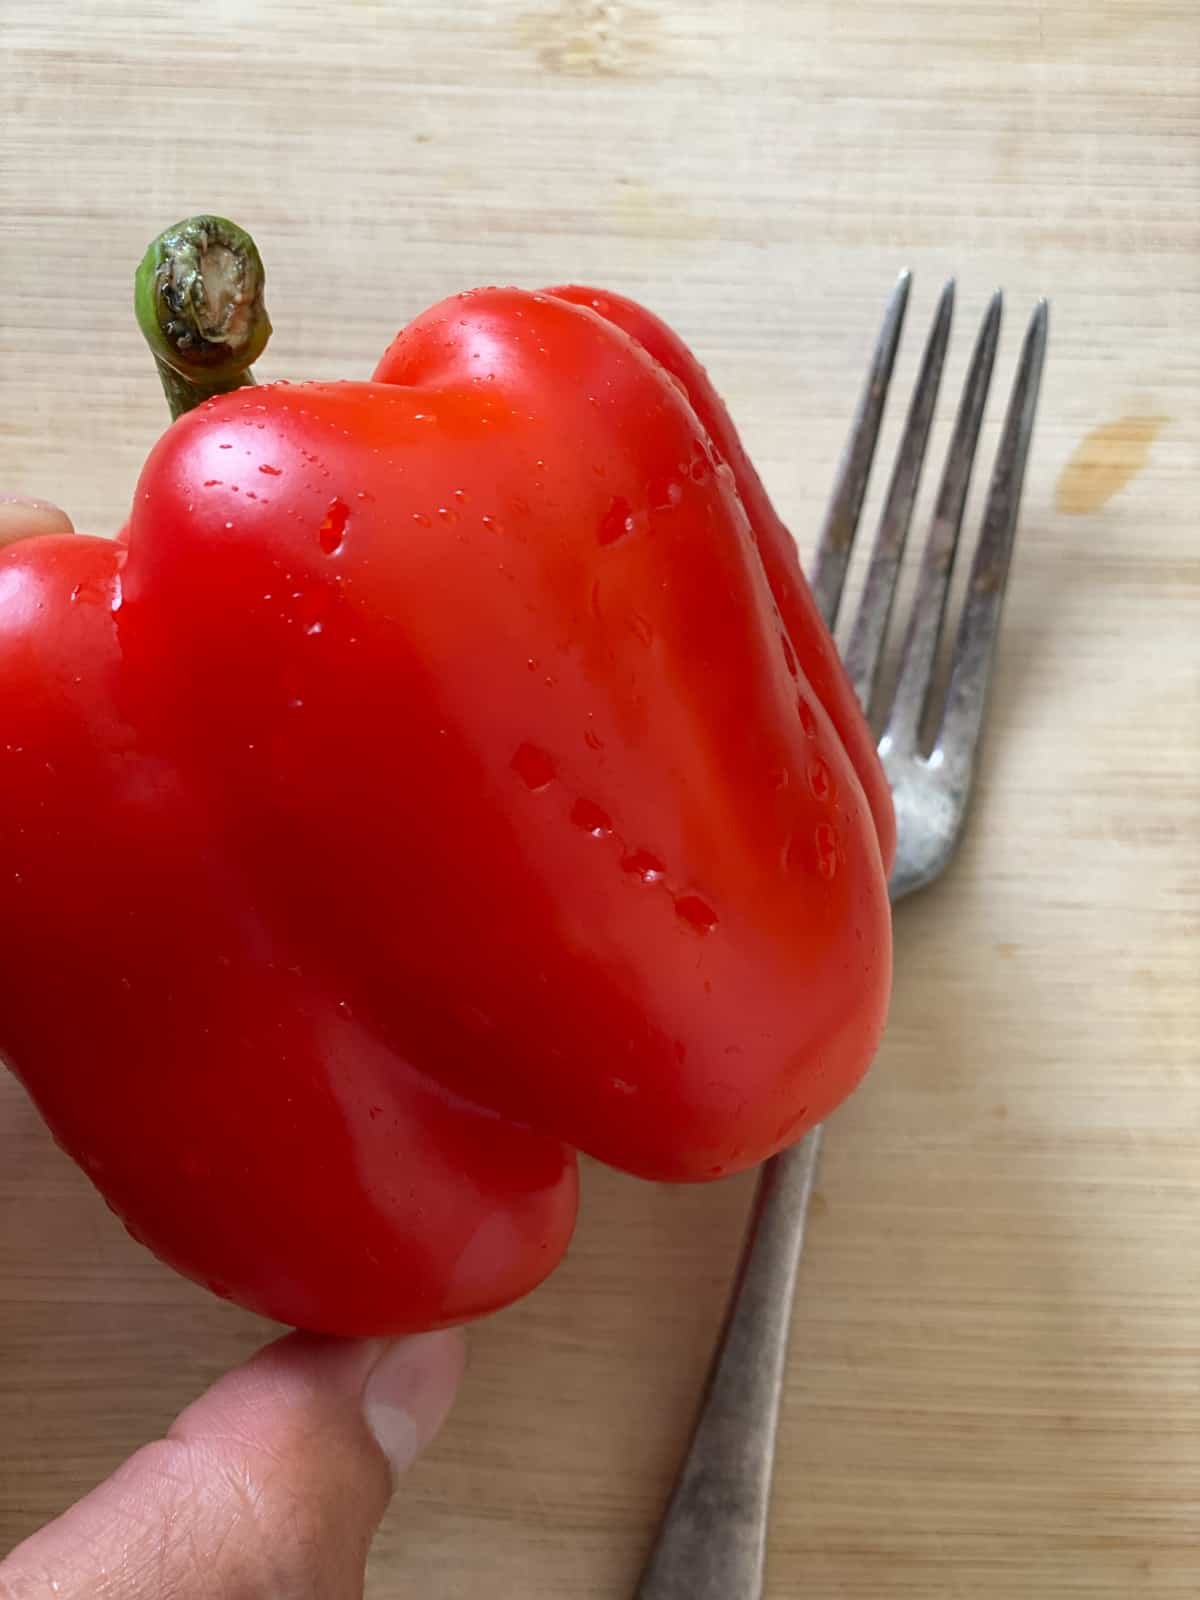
21,518
270,1484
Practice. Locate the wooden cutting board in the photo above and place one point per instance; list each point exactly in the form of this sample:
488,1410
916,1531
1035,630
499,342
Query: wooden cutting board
995,1382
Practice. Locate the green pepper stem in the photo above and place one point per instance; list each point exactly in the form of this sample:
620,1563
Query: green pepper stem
198,296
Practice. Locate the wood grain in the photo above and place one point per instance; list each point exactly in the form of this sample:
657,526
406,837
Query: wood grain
995,1385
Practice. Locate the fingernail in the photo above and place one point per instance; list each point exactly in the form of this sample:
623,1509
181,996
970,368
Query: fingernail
409,1391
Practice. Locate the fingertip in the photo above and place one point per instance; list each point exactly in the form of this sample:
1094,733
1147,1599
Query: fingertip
25,518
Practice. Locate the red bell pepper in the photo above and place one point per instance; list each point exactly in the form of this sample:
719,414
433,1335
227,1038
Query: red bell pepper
449,774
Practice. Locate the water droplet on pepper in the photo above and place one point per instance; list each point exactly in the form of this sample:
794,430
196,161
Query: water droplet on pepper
534,767
643,865
827,850
591,818
333,527
617,521
696,913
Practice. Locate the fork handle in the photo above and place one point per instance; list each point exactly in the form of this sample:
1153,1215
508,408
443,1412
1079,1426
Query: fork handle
711,1543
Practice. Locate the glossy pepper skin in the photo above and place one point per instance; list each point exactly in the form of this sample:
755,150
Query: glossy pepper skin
449,773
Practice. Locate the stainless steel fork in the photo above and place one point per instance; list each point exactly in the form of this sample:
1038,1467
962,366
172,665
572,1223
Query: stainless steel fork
711,1544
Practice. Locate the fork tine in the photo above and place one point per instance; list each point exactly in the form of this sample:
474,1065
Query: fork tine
875,608
925,624
970,668
850,485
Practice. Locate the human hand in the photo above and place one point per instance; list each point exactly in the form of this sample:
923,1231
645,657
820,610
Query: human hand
22,518
271,1485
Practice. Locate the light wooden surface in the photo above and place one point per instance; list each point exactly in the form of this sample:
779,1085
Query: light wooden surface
995,1384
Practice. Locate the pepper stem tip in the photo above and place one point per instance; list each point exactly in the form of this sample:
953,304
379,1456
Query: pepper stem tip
198,296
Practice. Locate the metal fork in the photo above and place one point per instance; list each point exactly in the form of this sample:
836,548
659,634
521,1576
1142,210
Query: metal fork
711,1543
